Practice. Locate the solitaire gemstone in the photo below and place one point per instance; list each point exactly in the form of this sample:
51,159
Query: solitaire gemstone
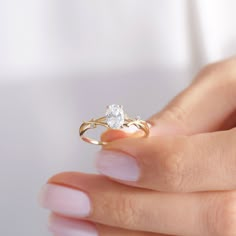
115,116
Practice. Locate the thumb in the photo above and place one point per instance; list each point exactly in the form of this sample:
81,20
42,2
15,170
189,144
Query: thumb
115,134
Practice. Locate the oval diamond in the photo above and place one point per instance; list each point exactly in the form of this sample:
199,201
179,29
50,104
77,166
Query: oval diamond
115,116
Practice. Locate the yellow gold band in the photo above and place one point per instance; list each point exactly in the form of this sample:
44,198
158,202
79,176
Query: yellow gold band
92,124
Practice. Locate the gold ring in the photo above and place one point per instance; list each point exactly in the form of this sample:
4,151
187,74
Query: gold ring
115,118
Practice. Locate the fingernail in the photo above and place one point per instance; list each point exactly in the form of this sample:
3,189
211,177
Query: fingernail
117,165
62,226
65,201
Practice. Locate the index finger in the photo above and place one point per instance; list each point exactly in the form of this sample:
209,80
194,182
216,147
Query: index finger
207,105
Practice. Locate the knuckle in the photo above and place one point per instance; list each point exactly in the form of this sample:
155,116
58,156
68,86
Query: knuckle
178,114
222,217
223,69
127,211
208,70
220,77
174,168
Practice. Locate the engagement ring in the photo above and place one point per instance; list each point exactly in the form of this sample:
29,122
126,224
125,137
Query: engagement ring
115,118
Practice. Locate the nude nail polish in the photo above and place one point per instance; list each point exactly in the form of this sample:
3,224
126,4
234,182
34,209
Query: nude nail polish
65,200
117,165
61,226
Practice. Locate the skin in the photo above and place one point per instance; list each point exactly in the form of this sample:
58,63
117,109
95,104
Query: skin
188,167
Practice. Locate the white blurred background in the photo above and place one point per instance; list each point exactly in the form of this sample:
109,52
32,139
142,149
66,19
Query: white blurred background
62,62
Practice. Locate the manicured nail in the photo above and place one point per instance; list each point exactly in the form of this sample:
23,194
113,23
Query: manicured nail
61,226
65,201
117,165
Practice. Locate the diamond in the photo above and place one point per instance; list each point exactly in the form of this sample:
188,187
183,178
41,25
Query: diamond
115,116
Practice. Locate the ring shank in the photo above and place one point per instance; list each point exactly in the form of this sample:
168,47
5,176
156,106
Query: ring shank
140,124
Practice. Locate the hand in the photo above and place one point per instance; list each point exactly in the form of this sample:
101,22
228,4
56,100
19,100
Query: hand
179,181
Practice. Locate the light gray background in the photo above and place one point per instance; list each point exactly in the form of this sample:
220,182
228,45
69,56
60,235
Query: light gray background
39,133
62,62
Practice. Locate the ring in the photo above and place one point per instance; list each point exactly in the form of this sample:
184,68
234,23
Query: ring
115,118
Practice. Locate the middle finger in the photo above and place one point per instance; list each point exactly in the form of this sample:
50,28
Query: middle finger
202,162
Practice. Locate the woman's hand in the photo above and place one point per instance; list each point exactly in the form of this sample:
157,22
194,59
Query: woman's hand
179,181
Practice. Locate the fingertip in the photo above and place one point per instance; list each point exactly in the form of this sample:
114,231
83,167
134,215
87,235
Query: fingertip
112,135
